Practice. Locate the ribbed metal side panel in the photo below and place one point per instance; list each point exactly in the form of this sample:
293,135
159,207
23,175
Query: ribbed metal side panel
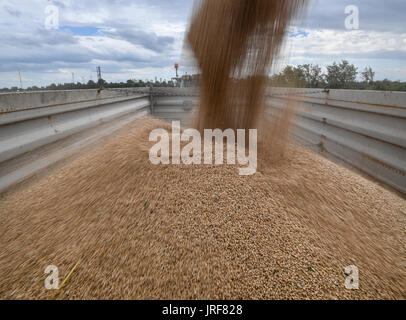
31,121
366,129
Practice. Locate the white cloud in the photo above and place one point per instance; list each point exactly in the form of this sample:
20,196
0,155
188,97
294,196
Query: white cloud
109,48
334,42
361,47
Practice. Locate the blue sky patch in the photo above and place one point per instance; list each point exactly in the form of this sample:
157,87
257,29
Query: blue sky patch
299,33
82,31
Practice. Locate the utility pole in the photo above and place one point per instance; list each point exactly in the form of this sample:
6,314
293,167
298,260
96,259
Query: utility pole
21,82
73,80
99,77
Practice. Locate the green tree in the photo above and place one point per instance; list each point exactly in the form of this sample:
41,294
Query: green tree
130,83
368,75
290,76
91,84
342,75
313,75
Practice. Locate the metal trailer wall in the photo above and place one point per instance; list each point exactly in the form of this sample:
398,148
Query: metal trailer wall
365,129
33,120
175,104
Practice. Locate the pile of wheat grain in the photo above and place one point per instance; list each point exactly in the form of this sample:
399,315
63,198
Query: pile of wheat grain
142,231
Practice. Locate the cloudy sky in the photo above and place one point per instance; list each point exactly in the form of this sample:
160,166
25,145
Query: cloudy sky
141,39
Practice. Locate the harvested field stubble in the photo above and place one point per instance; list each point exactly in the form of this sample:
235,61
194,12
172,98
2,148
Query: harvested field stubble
143,231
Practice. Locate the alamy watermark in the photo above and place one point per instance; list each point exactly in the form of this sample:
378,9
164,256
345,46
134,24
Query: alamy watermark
51,17
191,153
352,280
351,22
52,281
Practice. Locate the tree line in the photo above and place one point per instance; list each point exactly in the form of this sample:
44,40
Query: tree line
94,85
342,75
